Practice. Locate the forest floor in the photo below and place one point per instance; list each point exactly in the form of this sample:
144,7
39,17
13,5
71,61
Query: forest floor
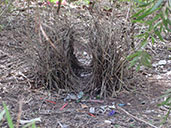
134,109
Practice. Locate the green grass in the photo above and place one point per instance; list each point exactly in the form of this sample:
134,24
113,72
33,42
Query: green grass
6,112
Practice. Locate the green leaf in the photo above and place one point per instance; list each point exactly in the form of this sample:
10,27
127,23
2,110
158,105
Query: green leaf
158,34
156,25
136,14
167,11
165,95
169,21
165,118
10,123
30,124
6,1
33,125
146,59
150,27
168,91
153,39
87,2
138,1
144,42
144,4
159,2
53,1
161,28
138,67
146,13
133,62
140,35
137,53
166,23
165,102
154,19
139,21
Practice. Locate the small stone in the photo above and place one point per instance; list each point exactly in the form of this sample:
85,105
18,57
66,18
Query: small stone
112,106
142,68
158,77
155,64
162,62
92,110
129,104
85,53
158,115
70,97
165,70
168,73
148,111
107,121
169,61
149,75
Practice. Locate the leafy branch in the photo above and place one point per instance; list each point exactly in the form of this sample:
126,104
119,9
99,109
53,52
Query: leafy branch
154,14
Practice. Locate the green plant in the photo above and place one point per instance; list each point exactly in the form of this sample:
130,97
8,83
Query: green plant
9,120
166,102
8,116
154,15
140,57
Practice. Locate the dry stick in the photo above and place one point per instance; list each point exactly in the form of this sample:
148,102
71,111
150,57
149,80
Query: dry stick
19,113
128,12
59,6
137,117
47,38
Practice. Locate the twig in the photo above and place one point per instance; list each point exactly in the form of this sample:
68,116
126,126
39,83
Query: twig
47,38
128,12
19,113
59,6
137,117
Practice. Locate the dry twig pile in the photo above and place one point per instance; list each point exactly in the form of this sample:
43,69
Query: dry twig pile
52,40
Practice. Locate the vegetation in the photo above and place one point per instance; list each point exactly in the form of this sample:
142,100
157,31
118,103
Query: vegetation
155,16
166,102
9,119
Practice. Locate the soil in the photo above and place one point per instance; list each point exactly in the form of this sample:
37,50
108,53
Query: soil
132,109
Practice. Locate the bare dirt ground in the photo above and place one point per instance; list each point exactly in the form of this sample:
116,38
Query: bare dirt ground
135,109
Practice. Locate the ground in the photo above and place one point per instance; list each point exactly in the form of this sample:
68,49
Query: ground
130,109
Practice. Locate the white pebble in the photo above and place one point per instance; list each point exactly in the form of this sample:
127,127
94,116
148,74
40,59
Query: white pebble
162,62
107,121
